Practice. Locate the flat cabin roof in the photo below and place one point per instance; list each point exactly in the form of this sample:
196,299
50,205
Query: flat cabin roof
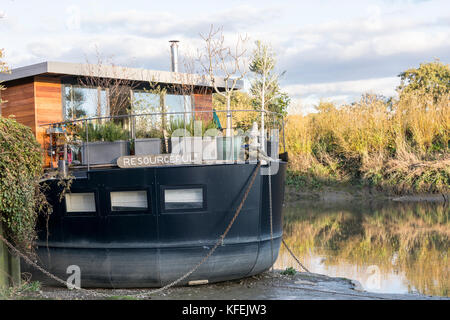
52,68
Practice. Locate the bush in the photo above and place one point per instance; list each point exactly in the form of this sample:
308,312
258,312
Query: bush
108,131
20,170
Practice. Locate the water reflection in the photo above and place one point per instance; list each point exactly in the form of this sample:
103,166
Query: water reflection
388,247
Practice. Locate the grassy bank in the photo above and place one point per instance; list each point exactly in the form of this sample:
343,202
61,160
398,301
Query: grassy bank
399,146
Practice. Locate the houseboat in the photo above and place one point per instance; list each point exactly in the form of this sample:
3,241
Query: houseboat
134,203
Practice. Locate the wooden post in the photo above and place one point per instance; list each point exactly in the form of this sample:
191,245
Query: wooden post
9,266
14,270
4,265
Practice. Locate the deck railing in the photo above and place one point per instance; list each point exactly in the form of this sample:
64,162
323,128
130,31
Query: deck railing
83,142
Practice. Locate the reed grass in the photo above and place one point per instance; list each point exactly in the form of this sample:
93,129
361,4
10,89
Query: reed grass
400,146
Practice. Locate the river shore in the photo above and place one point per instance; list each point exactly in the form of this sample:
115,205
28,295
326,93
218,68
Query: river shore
350,193
269,285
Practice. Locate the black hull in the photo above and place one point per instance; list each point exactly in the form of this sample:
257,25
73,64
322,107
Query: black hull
153,248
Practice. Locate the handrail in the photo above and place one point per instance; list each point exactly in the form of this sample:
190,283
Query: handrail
276,124
154,114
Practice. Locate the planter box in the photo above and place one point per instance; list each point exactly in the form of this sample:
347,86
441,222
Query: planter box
147,146
224,148
104,152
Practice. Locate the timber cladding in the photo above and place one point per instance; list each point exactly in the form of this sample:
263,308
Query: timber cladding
34,101
18,100
203,102
48,102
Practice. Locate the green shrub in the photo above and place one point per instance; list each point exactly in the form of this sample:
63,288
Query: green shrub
20,170
289,271
109,131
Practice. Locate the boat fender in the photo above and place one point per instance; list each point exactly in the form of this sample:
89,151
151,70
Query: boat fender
197,282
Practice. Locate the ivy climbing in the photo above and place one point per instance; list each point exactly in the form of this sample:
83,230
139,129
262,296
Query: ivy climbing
21,197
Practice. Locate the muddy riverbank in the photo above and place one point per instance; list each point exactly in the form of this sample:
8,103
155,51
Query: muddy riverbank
273,286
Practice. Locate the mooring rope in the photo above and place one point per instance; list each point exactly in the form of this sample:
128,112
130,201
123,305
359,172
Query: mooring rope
271,226
271,215
148,293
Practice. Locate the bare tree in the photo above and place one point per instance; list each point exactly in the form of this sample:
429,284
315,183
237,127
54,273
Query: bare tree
118,88
3,69
219,60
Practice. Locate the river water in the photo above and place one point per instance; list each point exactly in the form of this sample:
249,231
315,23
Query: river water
389,247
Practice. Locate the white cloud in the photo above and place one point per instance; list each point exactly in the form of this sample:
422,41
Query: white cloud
73,18
340,92
324,49
385,86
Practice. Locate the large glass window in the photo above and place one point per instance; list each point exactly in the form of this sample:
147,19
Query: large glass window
178,103
81,102
80,202
145,102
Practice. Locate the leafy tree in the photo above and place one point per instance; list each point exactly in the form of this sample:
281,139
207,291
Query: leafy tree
239,100
432,77
265,87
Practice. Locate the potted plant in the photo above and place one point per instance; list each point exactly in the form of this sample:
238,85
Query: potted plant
103,143
148,142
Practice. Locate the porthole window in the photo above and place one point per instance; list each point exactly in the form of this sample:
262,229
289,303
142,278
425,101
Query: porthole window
129,200
80,202
188,198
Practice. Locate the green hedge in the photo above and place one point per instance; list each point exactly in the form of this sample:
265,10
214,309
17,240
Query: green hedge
20,170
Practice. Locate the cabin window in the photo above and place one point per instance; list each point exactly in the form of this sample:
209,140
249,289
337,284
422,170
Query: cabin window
80,202
189,198
129,200
178,103
144,103
81,102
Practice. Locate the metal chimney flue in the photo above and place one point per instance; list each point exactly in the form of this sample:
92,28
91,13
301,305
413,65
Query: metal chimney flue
174,55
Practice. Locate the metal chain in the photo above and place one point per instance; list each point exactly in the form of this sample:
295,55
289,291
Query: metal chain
271,215
218,242
271,226
293,255
171,284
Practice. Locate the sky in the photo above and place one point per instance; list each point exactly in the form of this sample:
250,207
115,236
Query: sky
330,50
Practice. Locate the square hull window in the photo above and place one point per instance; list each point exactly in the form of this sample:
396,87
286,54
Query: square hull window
129,200
175,199
80,202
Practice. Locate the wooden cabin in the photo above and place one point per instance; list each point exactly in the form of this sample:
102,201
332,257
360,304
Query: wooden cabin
51,92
